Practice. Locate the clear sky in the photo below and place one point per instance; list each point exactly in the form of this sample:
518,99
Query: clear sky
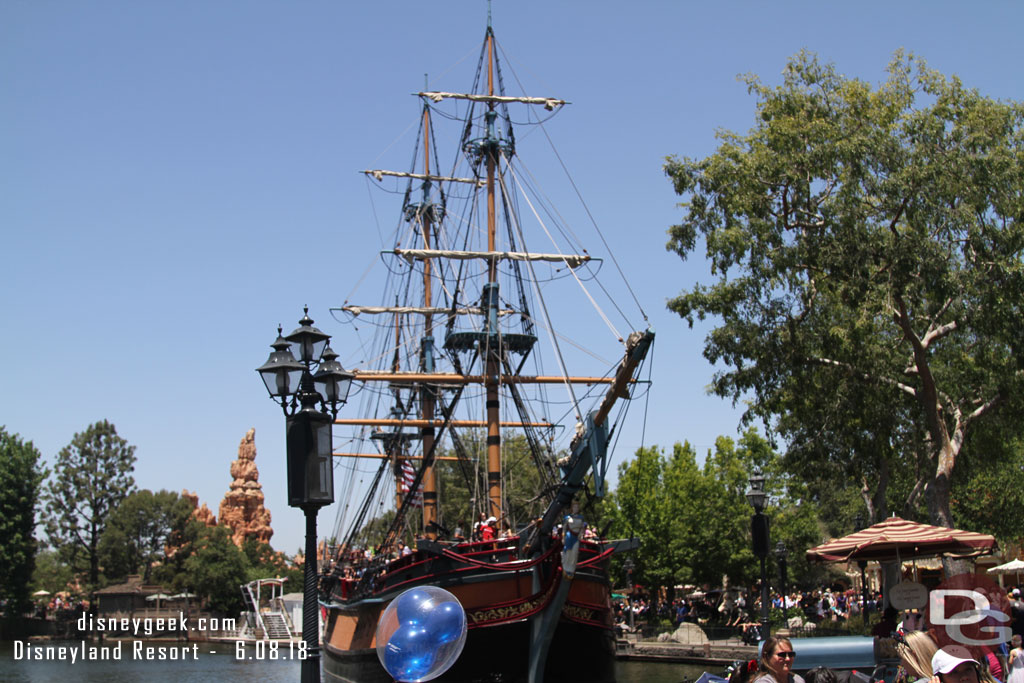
177,178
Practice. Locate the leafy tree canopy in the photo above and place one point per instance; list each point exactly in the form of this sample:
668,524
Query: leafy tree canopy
92,475
210,565
867,244
463,495
265,562
139,531
20,476
990,498
51,574
693,521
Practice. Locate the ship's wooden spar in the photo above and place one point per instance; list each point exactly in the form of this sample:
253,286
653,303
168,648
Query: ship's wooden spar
380,456
453,378
415,422
418,310
379,173
624,376
410,255
549,102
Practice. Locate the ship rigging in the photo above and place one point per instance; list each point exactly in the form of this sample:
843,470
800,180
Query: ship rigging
467,374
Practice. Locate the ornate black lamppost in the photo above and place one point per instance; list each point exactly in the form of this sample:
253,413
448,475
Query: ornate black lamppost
858,524
629,567
306,396
759,532
781,554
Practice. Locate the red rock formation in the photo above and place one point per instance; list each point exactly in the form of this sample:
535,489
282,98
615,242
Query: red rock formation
200,512
242,508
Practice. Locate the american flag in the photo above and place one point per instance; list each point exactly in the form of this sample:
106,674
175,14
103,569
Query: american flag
408,477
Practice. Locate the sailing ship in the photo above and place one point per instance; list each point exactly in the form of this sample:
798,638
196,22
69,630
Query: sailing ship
457,384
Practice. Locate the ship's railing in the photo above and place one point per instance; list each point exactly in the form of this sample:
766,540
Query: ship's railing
500,555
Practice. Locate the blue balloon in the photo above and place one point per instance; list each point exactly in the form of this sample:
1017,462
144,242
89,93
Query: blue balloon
409,654
410,605
447,622
421,634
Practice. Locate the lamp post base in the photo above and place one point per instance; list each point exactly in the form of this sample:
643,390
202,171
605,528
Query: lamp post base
310,603
765,599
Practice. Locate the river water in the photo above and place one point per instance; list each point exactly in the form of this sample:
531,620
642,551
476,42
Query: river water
221,663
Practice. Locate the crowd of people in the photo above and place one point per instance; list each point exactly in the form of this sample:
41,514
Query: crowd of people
738,607
921,658
921,661
916,647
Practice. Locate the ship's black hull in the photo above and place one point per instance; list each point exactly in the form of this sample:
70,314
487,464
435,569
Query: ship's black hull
497,654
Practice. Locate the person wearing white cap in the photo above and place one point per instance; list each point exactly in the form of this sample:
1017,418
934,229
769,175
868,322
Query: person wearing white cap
952,669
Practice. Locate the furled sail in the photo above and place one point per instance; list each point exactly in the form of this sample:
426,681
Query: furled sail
378,174
549,102
420,310
571,260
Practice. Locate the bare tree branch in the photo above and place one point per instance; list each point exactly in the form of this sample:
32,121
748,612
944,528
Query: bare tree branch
906,388
938,333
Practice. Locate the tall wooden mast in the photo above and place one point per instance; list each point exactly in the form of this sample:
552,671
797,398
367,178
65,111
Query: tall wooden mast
427,344
397,448
493,362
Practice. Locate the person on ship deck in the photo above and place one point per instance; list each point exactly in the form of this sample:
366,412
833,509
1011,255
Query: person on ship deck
487,529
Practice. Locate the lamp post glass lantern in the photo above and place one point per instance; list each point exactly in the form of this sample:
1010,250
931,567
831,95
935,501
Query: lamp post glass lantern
306,389
756,496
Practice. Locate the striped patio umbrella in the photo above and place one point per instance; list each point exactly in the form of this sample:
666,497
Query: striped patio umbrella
899,539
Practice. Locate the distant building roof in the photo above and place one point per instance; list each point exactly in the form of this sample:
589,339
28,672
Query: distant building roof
133,586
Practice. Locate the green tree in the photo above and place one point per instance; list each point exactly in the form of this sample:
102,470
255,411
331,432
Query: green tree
463,489
794,519
51,574
866,237
991,499
639,508
92,475
693,521
139,530
265,562
20,475
210,565
371,534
